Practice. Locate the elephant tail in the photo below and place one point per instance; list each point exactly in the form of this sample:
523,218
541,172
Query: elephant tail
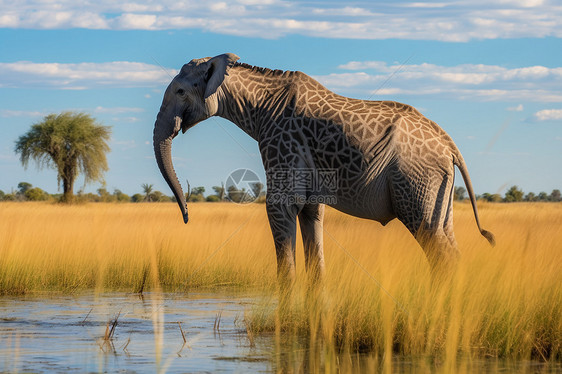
459,162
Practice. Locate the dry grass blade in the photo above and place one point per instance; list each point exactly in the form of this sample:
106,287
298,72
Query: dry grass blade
110,331
126,344
145,272
249,334
106,335
85,318
216,326
182,333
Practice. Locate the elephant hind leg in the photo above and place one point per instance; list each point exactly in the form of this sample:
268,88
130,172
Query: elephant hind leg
440,249
425,208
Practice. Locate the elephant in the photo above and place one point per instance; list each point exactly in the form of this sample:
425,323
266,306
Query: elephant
384,159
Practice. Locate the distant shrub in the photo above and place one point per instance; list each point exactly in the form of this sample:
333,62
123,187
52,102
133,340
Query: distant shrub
137,198
9,197
514,194
196,198
121,197
158,196
36,194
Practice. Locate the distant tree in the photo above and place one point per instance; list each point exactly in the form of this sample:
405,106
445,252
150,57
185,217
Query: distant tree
147,190
120,196
530,197
104,196
9,197
36,194
514,194
219,191
137,198
197,194
87,197
496,198
2,194
257,189
158,196
213,198
240,196
493,198
555,196
543,196
23,187
155,196
459,193
198,190
236,195
72,143
196,198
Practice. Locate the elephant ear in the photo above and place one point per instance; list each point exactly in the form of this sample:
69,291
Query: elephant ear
217,69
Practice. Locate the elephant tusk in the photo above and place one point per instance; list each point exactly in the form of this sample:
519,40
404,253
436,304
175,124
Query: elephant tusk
177,125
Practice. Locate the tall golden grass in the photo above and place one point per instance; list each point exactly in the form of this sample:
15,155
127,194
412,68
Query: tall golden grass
378,294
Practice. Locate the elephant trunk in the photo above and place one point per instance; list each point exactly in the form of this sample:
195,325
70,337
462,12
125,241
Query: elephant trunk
163,152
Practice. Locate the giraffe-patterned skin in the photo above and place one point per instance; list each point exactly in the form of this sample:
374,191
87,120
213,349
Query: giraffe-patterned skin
389,160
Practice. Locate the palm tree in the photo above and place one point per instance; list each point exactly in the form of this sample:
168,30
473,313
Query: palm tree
147,189
72,143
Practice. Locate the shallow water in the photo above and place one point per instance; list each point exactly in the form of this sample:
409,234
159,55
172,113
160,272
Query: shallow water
46,333
66,333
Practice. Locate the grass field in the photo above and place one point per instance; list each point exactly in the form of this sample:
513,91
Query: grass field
378,294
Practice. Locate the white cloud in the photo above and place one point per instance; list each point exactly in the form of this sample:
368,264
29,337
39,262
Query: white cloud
467,81
518,108
126,119
21,113
117,110
258,2
549,115
131,21
523,3
367,79
345,11
425,5
124,144
141,8
6,113
82,75
461,20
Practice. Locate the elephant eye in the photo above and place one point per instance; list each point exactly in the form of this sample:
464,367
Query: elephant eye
180,91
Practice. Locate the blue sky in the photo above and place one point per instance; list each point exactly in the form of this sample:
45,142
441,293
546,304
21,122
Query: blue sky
488,72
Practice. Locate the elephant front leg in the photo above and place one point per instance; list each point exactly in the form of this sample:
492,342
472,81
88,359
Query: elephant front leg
311,220
282,220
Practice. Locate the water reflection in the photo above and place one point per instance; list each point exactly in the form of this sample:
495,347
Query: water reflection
44,334
179,333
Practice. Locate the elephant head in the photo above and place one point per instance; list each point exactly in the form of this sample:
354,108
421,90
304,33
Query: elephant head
192,96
